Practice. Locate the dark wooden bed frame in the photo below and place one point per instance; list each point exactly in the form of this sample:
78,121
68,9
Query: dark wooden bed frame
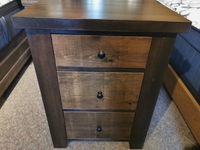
14,55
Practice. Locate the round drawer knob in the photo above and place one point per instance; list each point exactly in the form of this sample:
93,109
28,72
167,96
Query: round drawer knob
99,128
101,54
99,95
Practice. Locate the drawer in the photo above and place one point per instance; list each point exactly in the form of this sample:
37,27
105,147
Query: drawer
79,90
109,124
82,50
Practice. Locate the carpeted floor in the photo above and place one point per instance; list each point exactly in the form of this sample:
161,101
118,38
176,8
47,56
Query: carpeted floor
23,123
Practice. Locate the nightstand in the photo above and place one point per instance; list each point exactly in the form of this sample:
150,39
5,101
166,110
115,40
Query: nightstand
100,65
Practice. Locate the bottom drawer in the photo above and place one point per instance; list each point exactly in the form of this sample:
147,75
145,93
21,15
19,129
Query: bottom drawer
98,124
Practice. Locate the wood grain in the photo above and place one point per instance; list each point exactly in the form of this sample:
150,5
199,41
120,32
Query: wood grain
79,90
104,15
113,17
7,63
44,62
82,50
14,70
12,45
84,124
184,100
159,55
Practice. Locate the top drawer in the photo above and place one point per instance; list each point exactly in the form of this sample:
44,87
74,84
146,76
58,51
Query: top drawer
82,50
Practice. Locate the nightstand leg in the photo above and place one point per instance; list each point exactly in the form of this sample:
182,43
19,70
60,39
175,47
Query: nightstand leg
158,59
43,57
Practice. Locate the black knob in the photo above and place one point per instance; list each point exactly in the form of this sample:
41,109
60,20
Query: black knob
101,54
99,128
99,95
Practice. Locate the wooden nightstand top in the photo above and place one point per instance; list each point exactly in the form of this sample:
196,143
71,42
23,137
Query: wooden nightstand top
102,15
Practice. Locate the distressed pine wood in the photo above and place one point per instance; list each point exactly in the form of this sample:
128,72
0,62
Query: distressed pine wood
79,89
121,51
84,124
104,15
159,55
184,100
44,62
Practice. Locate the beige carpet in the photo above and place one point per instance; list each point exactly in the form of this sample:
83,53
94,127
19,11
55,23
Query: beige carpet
23,123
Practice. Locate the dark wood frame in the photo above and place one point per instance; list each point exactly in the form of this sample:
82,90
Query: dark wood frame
12,59
41,45
45,67
142,21
15,54
159,55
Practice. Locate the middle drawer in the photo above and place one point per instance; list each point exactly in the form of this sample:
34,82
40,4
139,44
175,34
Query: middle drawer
99,90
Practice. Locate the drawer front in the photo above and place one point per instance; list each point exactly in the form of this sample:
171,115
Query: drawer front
82,50
79,90
108,124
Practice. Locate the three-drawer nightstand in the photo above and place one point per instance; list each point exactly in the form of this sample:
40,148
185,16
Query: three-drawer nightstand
100,64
